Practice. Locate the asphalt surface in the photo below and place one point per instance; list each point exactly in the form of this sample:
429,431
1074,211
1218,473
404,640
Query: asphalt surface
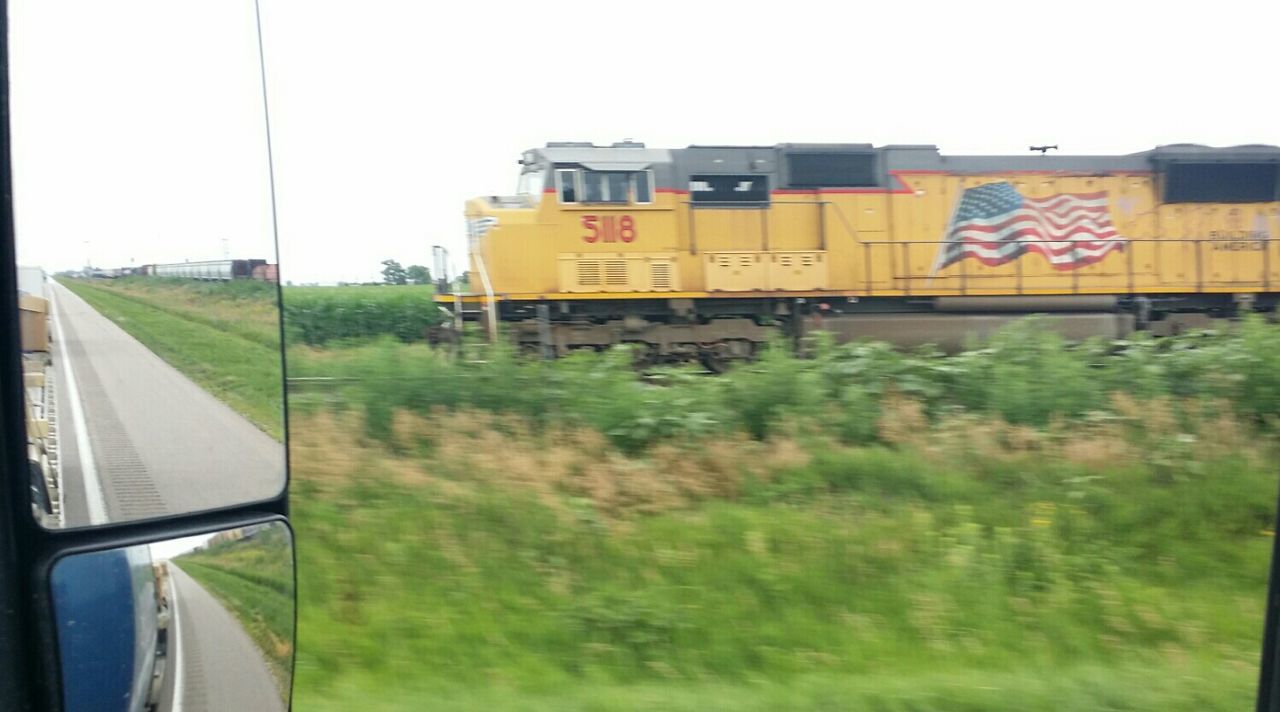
214,665
160,444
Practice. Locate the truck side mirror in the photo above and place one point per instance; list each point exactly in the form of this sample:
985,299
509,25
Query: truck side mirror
136,624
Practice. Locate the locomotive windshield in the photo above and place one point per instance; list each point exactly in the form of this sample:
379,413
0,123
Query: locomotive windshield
531,183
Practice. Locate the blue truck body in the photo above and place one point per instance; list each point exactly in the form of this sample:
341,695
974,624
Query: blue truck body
108,626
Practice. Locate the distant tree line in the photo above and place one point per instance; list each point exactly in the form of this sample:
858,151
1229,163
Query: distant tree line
395,273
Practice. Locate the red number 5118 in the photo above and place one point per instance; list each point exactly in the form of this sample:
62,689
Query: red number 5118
609,228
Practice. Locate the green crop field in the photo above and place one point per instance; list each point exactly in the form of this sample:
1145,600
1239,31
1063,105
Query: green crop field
1027,525
319,315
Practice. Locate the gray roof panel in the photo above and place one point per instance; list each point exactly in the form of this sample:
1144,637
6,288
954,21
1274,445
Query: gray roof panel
613,159
674,167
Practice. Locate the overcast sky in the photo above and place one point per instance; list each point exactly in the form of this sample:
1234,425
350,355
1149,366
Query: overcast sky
172,548
138,123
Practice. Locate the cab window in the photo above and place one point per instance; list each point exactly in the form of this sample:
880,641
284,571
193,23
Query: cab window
605,186
588,186
567,186
642,186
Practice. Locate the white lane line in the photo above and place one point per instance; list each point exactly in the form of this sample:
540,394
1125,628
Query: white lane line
175,642
94,496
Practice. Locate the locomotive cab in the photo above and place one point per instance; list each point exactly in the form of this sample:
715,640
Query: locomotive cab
574,202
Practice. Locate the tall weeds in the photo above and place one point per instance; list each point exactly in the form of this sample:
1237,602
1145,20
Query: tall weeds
1028,506
1025,375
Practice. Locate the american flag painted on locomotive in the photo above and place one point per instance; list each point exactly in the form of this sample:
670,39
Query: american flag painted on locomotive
995,224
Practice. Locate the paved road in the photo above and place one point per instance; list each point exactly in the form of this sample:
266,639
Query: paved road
215,665
159,443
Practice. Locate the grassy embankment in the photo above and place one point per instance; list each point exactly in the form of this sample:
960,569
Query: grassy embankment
253,578
224,337
1026,526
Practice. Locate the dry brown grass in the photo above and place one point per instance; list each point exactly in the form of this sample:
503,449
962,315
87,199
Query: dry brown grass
460,451
1132,431
902,421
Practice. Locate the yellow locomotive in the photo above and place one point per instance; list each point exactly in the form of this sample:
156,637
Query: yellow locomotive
704,252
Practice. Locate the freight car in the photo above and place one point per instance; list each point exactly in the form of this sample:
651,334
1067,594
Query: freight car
206,270
212,270
704,252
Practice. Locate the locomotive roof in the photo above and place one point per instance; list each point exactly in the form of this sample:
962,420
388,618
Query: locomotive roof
606,158
636,156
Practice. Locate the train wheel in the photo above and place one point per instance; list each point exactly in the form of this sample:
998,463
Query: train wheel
643,355
713,363
719,356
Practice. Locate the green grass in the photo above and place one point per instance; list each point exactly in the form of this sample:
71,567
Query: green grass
862,578
262,561
247,308
241,372
320,315
254,580
360,291
1127,687
959,532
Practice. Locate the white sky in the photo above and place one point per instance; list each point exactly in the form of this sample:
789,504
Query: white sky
138,125
172,548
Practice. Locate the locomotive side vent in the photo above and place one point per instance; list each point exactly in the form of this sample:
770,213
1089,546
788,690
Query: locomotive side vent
797,270
619,272
660,276
615,272
589,273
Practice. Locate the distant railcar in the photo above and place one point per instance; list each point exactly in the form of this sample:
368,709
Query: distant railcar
706,251
209,270
267,273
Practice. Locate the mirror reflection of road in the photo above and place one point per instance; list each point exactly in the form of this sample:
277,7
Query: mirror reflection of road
139,439
215,665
